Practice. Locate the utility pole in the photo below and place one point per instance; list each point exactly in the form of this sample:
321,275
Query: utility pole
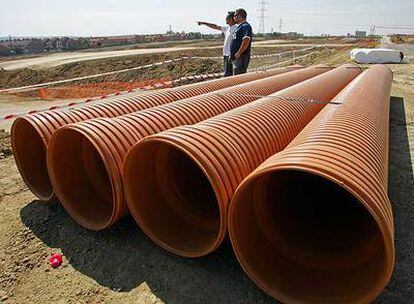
372,31
280,24
262,16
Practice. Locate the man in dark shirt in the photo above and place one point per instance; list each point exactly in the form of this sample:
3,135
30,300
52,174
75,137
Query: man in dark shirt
241,43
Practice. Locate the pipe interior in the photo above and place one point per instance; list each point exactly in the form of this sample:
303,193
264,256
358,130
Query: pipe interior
81,180
304,238
172,198
29,152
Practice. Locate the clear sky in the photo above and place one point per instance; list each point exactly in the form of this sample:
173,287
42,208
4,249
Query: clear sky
117,17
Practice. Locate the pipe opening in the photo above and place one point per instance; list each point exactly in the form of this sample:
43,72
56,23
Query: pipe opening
304,238
29,152
81,179
171,198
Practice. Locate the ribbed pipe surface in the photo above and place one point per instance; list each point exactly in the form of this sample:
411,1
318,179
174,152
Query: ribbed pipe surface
313,223
88,179
179,183
31,133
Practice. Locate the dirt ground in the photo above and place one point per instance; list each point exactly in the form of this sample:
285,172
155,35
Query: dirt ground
402,39
121,265
19,102
60,58
28,76
60,66
23,77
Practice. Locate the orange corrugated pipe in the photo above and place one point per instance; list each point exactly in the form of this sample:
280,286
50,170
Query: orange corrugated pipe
179,183
31,134
85,160
313,223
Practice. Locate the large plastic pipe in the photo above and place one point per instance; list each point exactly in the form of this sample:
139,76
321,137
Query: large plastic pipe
31,133
85,160
313,223
179,183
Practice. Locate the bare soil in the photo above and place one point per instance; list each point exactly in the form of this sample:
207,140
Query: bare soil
121,265
28,76
5,145
401,39
88,90
22,77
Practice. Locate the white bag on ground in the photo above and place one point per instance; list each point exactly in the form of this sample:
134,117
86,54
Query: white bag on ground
377,56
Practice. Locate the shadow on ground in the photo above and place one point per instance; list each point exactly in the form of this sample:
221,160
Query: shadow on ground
122,257
401,192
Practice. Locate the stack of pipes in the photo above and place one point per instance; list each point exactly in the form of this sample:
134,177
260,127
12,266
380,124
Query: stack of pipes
291,164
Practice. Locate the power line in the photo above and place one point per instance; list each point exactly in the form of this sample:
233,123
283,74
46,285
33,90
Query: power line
397,27
372,30
409,27
262,16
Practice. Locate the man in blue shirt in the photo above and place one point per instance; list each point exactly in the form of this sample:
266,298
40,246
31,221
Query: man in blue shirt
241,43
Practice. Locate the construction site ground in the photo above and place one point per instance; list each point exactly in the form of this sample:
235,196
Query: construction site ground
56,59
121,265
23,101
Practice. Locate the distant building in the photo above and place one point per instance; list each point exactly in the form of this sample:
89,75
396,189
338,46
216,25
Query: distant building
4,50
16,46
360,33
48,45
57,44
276,34
35,46
95,42
293,35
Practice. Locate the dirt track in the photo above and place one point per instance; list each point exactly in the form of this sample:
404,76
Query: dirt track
120,265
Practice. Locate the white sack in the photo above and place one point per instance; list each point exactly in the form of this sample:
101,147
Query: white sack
376,56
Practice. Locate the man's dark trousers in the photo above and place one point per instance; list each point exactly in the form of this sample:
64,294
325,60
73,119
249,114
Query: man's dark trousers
240,65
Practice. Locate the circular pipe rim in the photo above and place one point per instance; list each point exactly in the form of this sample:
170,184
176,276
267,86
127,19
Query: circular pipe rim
387,237
222,229
18,160
107,164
